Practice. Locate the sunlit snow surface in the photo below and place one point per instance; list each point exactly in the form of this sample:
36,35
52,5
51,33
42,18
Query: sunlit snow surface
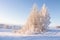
51,34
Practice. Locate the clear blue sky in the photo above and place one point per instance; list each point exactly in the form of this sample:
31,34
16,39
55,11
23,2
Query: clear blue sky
17,11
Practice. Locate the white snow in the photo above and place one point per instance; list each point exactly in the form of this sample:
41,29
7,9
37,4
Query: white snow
52,32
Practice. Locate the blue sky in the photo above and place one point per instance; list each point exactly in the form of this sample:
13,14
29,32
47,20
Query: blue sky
17,11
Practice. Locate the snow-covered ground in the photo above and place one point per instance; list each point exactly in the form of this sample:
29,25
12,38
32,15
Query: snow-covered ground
50,32
6,30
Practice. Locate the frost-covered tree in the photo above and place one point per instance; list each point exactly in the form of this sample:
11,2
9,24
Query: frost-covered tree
44,18
37,22
33,23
